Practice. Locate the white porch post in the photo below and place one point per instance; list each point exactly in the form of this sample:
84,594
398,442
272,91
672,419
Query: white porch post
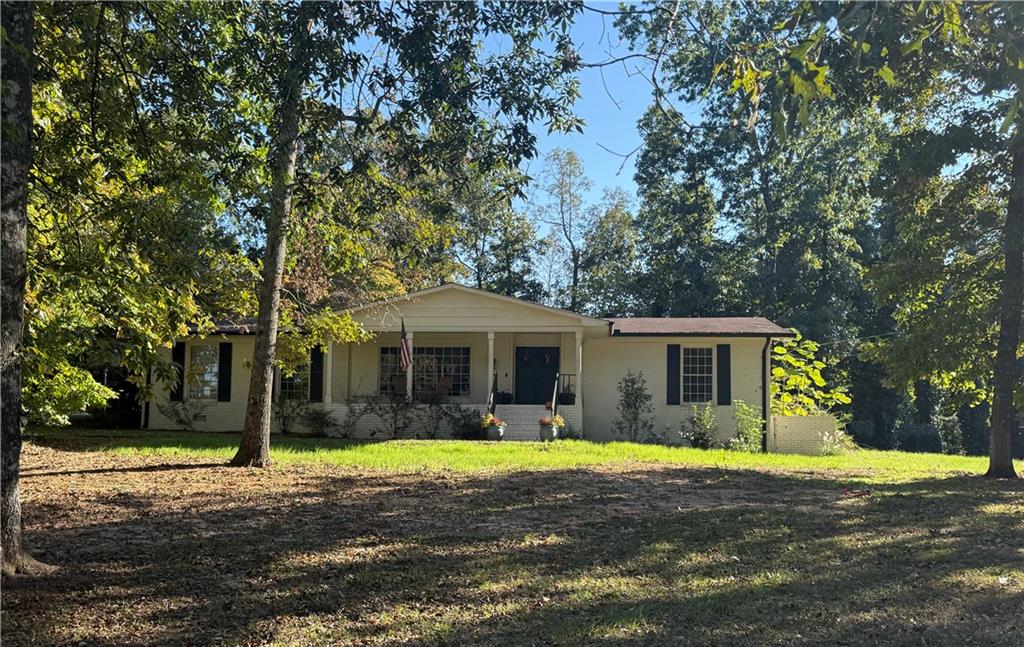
408,373
579,369
490,361
328,373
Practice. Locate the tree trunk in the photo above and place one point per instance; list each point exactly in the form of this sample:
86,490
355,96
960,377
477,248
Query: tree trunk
574,296
16,159
1011,303
254,450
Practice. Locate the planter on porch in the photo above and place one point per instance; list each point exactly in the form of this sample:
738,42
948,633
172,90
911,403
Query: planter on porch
550,426
494,426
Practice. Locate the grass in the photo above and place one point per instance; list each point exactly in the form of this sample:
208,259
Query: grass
452,543
472,456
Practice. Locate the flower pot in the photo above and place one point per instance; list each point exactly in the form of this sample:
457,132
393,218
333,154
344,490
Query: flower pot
495,433
548,432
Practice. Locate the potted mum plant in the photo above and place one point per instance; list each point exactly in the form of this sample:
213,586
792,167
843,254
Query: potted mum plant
494,426
549,426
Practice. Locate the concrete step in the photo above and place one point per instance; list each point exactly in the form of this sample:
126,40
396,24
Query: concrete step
521,420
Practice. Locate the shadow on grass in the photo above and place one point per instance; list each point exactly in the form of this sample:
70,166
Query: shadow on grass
90,440
171,467
663,556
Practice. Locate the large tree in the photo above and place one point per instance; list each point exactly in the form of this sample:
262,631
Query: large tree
611,259
899,56
791,209
409,74
14,168
560,204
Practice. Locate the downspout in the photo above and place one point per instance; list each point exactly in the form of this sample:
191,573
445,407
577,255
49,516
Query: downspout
764,394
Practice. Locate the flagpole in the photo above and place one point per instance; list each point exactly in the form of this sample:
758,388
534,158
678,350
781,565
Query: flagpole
406,354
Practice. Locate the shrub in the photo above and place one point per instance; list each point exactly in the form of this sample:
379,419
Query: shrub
465,423
836,443
287,413
184,414
701,429
918,437
568,432
395,413
635,419
748,428
318,422
862,431
430,414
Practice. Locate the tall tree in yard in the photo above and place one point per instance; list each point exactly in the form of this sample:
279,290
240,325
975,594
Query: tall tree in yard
17,156
561,196
410,74
900,55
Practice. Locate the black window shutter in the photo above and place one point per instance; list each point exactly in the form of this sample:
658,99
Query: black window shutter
674,375
178,357
316,375
224,373
724,361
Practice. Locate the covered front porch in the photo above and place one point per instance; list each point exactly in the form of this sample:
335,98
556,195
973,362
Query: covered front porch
471,368
469,347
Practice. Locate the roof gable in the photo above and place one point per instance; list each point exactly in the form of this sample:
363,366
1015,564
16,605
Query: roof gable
453,307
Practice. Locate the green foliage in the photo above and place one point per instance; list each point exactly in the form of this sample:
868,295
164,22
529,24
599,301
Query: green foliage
918,437
126,249
948,427
749,425
65,389
635,420
464,423
797,384
700,429
611,258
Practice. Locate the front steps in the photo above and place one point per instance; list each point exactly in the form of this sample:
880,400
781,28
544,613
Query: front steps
521,420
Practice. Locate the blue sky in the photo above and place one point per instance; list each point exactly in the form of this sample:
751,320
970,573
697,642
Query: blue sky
610,114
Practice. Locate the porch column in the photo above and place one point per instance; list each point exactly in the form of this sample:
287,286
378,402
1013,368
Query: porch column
328,373
579,369
408,373
490,361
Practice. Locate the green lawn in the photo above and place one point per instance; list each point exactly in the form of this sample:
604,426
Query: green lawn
469,456
470,543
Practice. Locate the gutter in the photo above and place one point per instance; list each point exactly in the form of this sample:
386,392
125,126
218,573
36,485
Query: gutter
764,394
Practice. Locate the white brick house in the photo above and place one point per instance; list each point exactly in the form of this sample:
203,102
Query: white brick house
474,344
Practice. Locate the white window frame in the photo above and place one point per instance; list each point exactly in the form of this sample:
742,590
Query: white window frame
204,381
683,396
419,355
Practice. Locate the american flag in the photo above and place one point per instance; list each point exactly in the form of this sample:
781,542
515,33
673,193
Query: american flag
405,353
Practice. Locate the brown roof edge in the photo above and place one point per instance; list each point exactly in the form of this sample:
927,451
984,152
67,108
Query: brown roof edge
697,327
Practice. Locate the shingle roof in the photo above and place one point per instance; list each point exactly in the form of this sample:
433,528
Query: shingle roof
693,326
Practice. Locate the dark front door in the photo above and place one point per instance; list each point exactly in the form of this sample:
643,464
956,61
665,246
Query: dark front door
536,367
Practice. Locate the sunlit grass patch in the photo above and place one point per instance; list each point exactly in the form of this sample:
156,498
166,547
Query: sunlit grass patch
471,456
